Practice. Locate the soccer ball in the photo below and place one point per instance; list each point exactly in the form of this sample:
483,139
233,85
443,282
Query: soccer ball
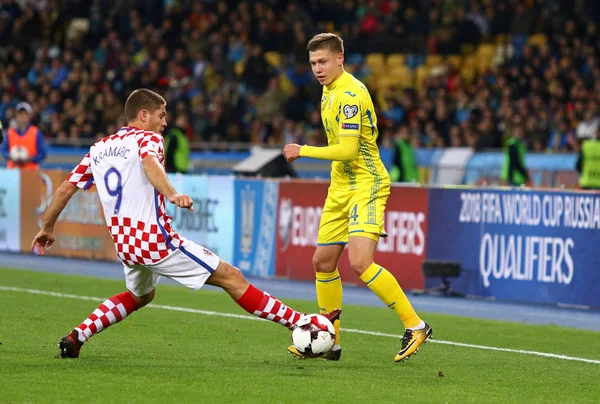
314,335
19,154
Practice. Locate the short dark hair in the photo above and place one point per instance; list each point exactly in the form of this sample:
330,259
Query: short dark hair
142,98
326,41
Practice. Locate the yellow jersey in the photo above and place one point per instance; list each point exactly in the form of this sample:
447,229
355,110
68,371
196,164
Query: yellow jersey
347,110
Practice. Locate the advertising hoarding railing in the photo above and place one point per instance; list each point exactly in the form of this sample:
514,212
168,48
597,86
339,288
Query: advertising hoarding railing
538,246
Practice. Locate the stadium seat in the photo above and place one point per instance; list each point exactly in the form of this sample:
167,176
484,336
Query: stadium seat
395,76
502,39
354,59
382,83
414,60
285,84
395,60
434,60
470,61
486,51
467,74
273,58
402,76
375,62
483,64
537,40
422,74
239,68
467,49
455,61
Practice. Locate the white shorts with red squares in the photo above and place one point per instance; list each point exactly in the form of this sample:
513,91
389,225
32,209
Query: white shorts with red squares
190,264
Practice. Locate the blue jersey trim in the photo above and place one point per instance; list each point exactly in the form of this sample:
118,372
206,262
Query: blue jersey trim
328,280
160,226
88,184
376,275
371,121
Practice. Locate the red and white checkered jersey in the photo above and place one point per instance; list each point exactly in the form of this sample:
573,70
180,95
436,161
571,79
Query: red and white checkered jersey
135,212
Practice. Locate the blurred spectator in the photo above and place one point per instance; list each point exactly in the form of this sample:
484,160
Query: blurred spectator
404,168
587,128
514,171
588,163
468,69
25,146
269,108
177,147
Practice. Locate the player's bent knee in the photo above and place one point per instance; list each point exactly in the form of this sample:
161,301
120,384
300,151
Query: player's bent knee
145,299
360,266
361,252
227,276
359,261
323,264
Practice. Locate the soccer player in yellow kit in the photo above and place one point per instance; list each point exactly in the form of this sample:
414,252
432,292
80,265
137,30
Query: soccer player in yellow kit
360,185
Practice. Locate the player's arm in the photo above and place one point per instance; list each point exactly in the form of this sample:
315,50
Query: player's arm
80,177
349,127
45,237
346,150
158,177
150,146
61,197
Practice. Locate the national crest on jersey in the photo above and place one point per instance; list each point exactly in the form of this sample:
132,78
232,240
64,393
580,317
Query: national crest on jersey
134,211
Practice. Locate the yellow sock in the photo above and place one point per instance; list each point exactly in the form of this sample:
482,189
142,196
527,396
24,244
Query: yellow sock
329,295
386,287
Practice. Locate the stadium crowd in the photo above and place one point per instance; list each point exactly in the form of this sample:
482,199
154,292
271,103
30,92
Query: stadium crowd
237,71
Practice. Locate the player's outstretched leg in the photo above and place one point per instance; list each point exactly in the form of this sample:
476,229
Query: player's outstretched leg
251,299
113,310
386,287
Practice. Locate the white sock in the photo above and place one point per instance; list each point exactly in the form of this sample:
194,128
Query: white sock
418,327
336,347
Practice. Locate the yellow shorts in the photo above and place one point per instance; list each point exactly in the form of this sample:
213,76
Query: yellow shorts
353,213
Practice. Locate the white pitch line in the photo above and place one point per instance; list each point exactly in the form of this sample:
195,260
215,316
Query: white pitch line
351,330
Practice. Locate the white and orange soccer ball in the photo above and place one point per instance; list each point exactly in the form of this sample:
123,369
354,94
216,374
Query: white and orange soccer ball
314,335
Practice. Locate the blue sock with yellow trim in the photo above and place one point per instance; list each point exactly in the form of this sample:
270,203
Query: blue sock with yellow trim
329,296
386,287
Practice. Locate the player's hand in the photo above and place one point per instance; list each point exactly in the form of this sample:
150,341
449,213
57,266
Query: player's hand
43,240
182,201
291,152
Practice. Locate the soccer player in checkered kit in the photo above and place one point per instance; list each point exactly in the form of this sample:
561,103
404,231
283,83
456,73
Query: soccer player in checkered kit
127,169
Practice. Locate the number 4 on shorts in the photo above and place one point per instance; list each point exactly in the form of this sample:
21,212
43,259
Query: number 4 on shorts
354,213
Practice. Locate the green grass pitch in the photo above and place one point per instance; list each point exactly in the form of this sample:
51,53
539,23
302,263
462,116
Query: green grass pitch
159,355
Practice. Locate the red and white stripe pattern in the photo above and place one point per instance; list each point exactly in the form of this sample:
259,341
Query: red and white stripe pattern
110,312
274,310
